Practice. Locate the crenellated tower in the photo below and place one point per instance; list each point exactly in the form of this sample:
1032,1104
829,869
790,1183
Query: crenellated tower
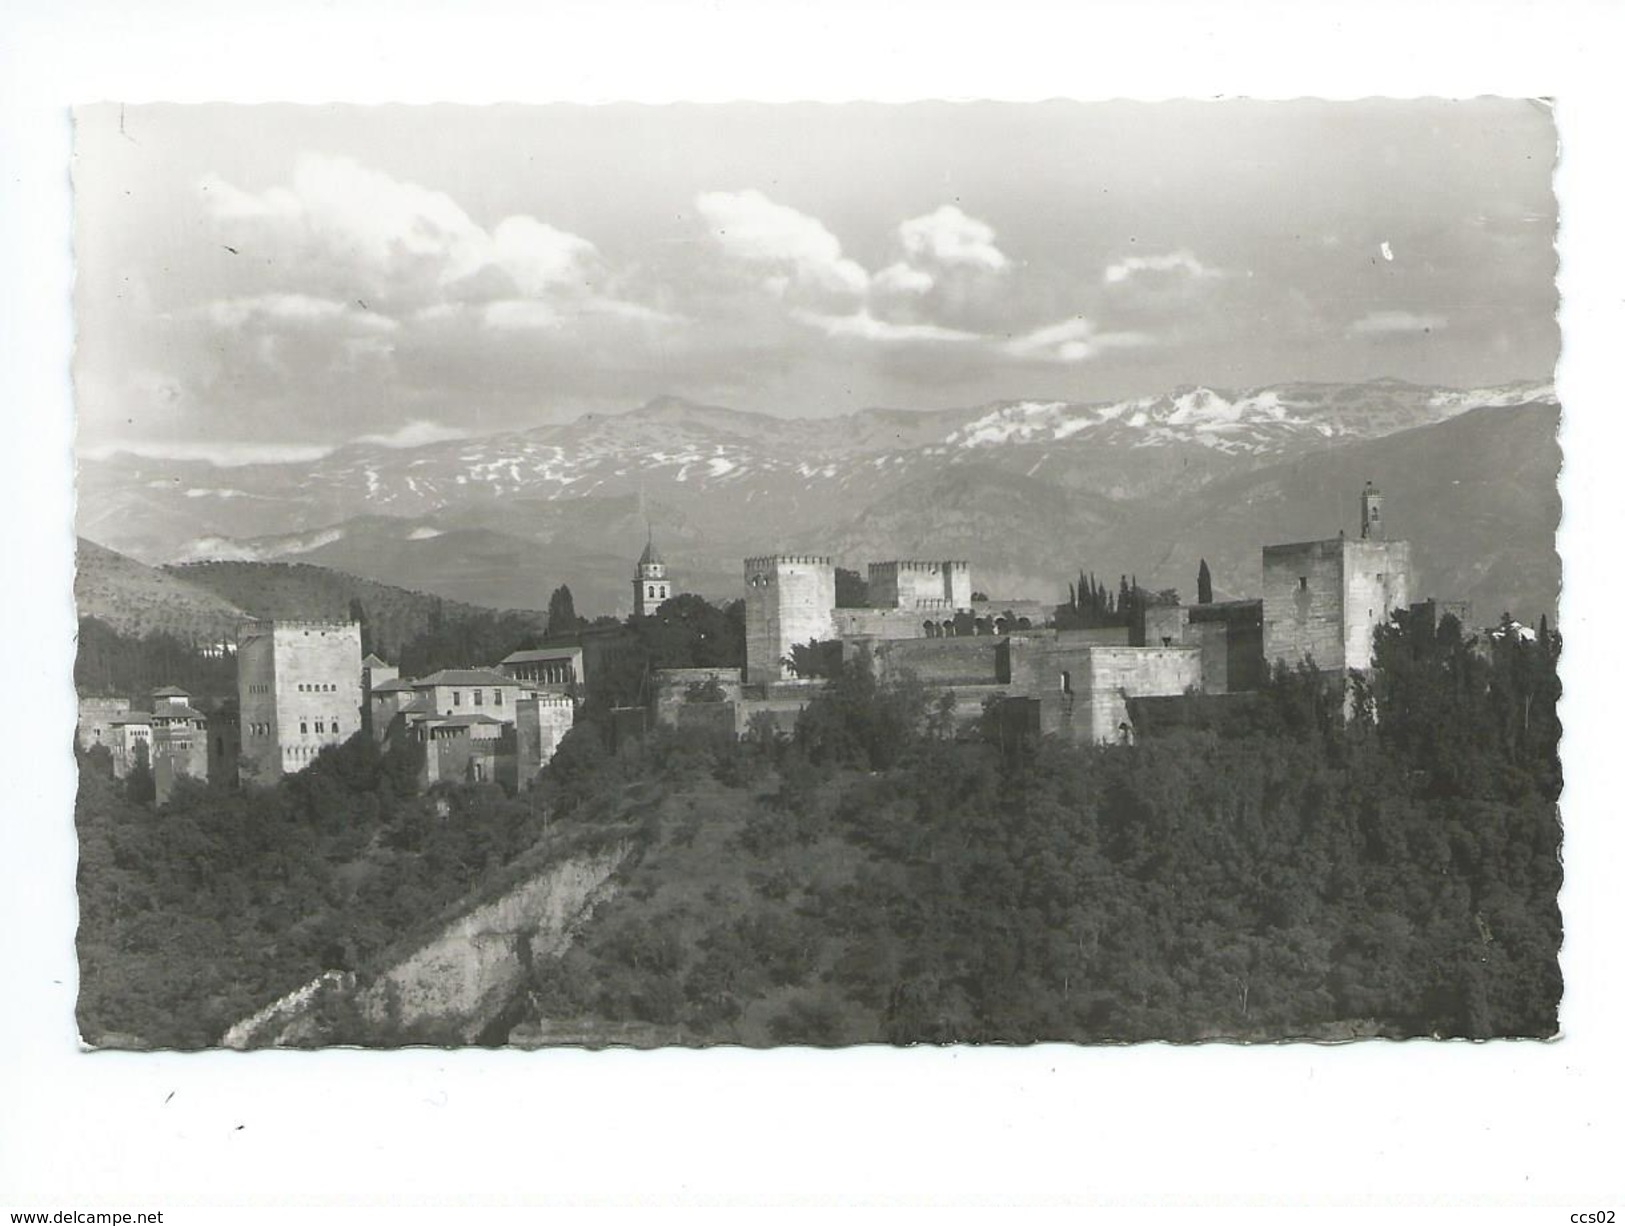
789,599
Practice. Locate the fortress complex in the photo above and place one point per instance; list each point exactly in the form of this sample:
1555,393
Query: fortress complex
174,737
1321,601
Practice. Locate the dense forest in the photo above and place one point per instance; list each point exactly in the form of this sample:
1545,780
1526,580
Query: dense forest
194,914
1282,872
1288,874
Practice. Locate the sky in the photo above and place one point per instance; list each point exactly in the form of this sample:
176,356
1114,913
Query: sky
268,282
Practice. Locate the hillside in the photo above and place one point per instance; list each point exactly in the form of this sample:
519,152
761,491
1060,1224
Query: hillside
136,599
293,590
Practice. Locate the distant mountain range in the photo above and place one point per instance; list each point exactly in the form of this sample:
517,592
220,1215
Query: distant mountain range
1029,492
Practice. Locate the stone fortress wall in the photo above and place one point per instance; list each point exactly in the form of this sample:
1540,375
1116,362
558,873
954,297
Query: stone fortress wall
1321,600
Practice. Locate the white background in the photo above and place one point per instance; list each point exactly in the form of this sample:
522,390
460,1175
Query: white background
1497,1124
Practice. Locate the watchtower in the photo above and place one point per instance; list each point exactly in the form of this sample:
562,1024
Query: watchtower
1323,600
789,599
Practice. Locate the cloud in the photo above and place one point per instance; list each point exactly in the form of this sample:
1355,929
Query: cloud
1174,261
864,326
903,278
1397,323
791,245
1072,340
295,309
416,433
399,235
226,453
950,238
513,314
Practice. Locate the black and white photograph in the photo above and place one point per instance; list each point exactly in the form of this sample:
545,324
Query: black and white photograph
817,575
764,605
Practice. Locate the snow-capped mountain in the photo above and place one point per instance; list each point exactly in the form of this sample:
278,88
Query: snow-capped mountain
719,483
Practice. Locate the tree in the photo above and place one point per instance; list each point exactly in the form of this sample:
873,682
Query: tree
139,787
1204,584
562,621
358,614
851,589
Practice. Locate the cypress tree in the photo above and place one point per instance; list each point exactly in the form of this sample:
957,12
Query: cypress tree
1204,584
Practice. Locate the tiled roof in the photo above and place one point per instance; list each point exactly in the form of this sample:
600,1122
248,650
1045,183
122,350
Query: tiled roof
463,721
372,661
542,653
171,691
131,717
392,685
463,676
179,713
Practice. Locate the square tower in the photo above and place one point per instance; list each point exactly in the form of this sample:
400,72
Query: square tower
789,599
920,585
298,691
1323,600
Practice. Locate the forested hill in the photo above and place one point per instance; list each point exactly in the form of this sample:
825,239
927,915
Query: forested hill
394,615
875,879
136,599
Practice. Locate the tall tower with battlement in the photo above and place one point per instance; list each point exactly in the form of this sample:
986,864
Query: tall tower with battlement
650,587
1323,600
920,585
789,599
298,691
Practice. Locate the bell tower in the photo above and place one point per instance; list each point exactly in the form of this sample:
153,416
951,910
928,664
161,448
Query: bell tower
650,587
1371,513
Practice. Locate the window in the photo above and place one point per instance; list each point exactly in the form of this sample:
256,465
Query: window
1303,583
302,728
319,726
651,590
456,698
479,698
498,694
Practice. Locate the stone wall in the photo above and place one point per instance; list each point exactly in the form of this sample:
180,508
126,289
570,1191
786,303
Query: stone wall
789,599
1162,625
1303,603
259,759
945,661
671,686
291,677
910,585
455,983
1376,581
1231,635
1115,674
95,720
